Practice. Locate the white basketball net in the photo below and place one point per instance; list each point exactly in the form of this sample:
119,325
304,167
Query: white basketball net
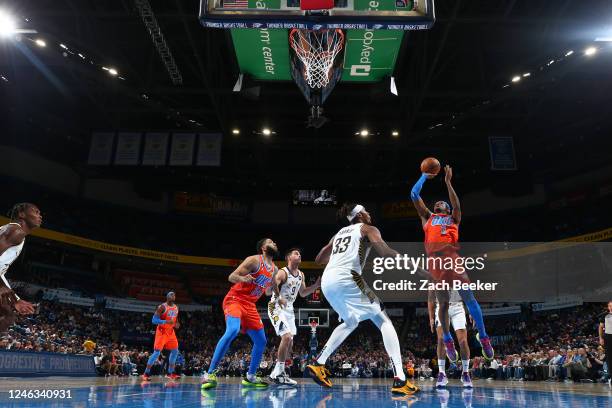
317,49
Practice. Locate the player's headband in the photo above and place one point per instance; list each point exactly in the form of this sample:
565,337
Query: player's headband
448,207
358,208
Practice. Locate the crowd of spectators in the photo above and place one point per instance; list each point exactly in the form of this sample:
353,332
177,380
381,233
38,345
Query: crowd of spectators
561,346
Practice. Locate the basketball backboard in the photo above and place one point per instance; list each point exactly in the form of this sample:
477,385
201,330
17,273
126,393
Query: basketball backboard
346,14
305,316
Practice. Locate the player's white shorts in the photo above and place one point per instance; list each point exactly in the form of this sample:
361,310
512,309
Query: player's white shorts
456,313
351,298
283,320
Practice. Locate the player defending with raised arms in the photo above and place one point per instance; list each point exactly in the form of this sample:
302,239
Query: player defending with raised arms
441,239
25,217
348,294
286,284
166,319
250,280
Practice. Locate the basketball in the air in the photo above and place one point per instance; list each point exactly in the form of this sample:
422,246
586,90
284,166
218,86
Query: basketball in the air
430,165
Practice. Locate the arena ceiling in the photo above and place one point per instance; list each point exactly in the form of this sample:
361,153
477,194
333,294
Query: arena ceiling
454,85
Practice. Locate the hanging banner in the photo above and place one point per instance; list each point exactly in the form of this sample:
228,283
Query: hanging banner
155,149
209,149
128,149
101,148
181,153
501,149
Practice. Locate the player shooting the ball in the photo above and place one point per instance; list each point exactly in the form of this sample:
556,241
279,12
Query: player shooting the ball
441,229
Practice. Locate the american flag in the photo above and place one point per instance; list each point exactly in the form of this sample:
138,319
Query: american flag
235,4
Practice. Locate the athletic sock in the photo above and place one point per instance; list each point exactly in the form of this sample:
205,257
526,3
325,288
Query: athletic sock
393,348
340,333
442,365
465,364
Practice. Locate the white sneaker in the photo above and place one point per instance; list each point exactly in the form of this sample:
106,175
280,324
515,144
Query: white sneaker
284,379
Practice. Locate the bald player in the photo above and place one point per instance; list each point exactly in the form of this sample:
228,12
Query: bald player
166,319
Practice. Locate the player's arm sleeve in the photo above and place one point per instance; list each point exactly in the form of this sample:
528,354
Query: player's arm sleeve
156,317
416,189
415,195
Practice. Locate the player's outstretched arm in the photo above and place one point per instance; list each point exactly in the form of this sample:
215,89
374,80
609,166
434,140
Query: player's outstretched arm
308,290
243,272
452,195
324,254
380,246
422,210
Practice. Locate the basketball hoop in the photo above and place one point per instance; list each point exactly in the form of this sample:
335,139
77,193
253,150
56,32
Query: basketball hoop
317,50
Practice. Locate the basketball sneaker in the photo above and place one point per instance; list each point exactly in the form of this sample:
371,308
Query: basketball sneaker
442,380
173,376
146,377
466,380
257,382
284,379
210,381
319,374
403,387
487,349
451,352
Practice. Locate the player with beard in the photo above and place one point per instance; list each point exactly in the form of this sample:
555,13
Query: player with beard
349,295
25,217
250,280
441,242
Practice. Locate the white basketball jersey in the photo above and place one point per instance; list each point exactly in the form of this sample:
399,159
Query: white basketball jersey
349,250
12,253
290,289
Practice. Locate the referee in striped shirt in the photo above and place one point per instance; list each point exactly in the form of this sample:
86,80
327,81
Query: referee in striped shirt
605,338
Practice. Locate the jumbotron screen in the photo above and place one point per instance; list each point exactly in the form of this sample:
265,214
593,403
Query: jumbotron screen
315,197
